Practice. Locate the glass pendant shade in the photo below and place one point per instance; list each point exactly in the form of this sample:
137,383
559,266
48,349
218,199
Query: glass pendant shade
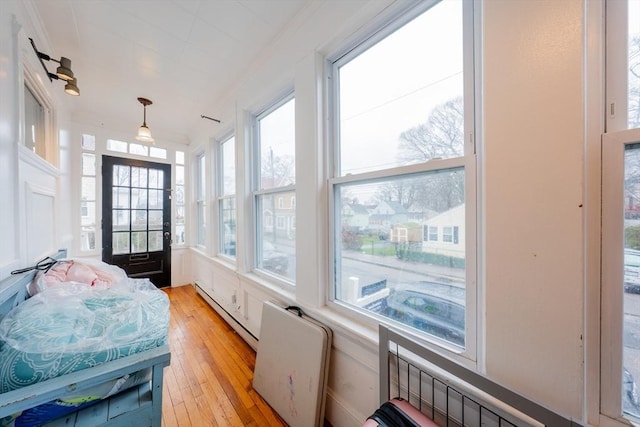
144,134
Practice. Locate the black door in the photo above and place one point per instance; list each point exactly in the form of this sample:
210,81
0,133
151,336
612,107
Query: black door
136,217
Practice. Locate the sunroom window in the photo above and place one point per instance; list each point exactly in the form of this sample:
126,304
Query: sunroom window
620,287
227,197
405,170
275,235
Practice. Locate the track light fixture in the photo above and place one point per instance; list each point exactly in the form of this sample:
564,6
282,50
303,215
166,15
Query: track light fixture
63,72
144,134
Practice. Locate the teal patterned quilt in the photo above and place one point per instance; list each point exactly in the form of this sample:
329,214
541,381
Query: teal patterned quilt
70,327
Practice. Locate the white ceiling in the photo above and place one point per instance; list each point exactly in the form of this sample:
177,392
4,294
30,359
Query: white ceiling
180,54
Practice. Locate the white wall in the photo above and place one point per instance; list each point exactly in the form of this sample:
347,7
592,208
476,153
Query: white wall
534,183
34,221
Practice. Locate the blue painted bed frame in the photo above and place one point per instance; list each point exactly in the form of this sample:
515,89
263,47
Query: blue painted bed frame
139,406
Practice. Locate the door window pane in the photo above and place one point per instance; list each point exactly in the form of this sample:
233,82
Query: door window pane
155,219
138,241
120,198
120,243
155,241
121,175
139,219
138,177
120,220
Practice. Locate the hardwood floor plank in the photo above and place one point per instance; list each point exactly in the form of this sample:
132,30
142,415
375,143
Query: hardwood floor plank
209,381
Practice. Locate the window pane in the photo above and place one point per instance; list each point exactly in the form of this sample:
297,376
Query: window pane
631,352
180,157
179,175
385,263
202,224
88,164
88,213
401,100
229,166
139,218
156,177
155,219
277,147
200,196
228,229
119,146
155,241
139,198
138,177
88,188
121,175
179,214
87,238
139,149
276,245
120,198
121,220
179,234
634,64
88,142
34,123
120,243
180,194
139,241
155,199
158,153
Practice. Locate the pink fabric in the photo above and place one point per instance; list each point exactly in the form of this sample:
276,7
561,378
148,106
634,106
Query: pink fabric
73,271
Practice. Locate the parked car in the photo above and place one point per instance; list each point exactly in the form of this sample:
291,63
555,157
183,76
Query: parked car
435,308
274,260
630,393
632,271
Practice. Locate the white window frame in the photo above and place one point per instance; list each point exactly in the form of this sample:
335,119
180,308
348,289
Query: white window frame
47,149
614,141
259,193
223,197
471,48
200,197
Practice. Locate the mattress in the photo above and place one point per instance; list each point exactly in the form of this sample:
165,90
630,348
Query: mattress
71,326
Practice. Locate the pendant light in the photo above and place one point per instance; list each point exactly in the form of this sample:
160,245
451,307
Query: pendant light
144,134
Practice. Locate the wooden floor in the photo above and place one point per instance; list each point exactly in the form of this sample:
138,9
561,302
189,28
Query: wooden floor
209,380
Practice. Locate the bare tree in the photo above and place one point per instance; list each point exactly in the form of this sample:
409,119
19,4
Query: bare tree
441,136
277,171
634,83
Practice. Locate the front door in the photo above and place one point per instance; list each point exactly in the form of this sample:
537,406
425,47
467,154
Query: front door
136,218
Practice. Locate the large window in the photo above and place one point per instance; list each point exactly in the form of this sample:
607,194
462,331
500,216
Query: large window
179,200
275,229
200,196
404,171
88,194
227,197
620,364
